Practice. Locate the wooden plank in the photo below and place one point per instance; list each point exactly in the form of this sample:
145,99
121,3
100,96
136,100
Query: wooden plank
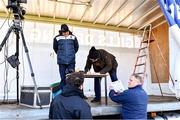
47,19
161,34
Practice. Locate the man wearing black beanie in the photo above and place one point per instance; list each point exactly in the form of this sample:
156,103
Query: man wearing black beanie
102,62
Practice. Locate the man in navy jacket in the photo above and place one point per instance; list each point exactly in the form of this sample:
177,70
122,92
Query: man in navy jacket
65,46
134,100
70,103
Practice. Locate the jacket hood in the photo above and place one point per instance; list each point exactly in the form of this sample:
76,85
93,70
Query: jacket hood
69,90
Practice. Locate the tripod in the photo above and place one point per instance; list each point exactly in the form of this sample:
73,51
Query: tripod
16,27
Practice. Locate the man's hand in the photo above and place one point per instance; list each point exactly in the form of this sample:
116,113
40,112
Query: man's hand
102,72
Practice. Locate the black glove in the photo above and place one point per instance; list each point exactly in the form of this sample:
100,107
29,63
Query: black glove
86,70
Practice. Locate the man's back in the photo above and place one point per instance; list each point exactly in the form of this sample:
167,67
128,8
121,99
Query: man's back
69,105
134,103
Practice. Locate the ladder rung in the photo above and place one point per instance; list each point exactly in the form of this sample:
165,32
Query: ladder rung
146,41
143,48
140,64
139,73
142,56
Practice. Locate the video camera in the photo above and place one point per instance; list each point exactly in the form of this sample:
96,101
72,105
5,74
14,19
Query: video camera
18,11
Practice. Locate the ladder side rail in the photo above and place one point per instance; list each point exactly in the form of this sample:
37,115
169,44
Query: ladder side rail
165,63
147,50
139,50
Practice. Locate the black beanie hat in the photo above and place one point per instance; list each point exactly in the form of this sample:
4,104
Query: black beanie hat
64,28
93,53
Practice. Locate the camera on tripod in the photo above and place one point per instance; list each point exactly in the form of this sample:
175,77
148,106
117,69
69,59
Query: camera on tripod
18,11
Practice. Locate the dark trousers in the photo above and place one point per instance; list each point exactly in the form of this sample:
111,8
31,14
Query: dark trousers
63,70
97,88
97,83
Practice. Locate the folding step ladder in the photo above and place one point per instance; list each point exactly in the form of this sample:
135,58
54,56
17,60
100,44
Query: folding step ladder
144,53
140,65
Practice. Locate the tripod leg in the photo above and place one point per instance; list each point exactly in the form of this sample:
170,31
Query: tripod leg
3,42
31,69
5,38
17,68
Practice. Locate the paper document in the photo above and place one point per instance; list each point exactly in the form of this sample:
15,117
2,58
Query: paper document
94,73
117,86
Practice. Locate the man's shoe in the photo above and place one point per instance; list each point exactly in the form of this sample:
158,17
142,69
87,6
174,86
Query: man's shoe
95,100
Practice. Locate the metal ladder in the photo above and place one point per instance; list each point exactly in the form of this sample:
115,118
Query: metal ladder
141,60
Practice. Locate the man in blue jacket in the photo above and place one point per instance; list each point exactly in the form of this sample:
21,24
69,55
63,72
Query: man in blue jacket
134,100
65,46
70,103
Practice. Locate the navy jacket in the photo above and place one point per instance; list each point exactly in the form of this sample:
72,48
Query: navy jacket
134,102
65,48
70,105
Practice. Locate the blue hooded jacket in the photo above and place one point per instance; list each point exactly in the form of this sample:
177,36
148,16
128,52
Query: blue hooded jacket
134,102
70,105
65,48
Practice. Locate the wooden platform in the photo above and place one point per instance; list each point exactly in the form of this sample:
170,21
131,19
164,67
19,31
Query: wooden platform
156,103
